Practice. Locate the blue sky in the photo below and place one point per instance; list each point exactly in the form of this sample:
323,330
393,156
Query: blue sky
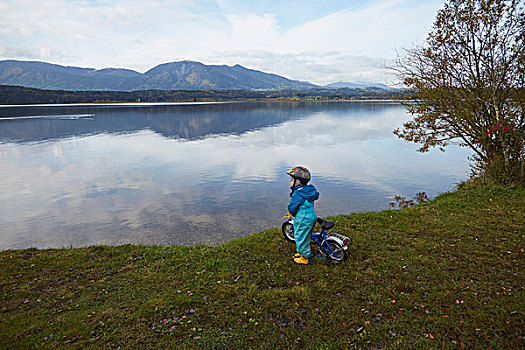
317,41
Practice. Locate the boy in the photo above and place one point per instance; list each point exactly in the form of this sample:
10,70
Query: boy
301,206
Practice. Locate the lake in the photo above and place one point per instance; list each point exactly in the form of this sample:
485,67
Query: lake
77,175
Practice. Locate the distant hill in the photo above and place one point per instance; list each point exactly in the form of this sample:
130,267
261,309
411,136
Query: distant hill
184,75
188,75
26,95
55,77
342,84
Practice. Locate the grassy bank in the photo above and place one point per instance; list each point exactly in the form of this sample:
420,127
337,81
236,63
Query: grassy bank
444,274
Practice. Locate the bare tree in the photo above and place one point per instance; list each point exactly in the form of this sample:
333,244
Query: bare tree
468,84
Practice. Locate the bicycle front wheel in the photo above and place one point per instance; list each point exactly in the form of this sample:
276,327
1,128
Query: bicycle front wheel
333,250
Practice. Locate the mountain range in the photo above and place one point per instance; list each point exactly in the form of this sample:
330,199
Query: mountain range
182,75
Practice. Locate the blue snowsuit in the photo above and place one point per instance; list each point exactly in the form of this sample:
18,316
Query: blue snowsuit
301,206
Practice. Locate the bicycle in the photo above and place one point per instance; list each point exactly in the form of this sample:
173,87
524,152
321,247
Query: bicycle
332,245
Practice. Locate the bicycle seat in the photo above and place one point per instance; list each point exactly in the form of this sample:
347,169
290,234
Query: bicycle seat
325,224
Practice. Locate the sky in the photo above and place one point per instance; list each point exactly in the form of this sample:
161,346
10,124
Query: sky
317,41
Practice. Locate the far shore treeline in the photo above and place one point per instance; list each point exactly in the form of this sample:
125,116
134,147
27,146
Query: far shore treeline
25,95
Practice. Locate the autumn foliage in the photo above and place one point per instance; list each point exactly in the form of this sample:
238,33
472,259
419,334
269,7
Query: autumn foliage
468,83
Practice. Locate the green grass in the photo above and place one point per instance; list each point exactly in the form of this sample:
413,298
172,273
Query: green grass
444,274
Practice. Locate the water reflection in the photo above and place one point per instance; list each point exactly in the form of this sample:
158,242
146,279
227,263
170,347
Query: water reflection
198,173
190,122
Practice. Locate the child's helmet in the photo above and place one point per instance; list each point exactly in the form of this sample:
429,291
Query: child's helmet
300,173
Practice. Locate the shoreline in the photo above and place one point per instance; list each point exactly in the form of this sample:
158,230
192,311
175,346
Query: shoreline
182,103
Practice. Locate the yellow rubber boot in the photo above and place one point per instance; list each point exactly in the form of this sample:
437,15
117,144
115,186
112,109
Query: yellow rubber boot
302,260
297,255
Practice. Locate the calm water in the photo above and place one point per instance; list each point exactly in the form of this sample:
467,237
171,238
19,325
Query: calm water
205,173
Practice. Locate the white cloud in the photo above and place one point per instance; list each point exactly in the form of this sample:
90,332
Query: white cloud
318,68
348,44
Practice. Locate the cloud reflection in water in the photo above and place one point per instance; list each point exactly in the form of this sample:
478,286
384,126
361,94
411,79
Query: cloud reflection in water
200,174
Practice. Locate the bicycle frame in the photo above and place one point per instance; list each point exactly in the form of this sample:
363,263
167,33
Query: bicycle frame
320,237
